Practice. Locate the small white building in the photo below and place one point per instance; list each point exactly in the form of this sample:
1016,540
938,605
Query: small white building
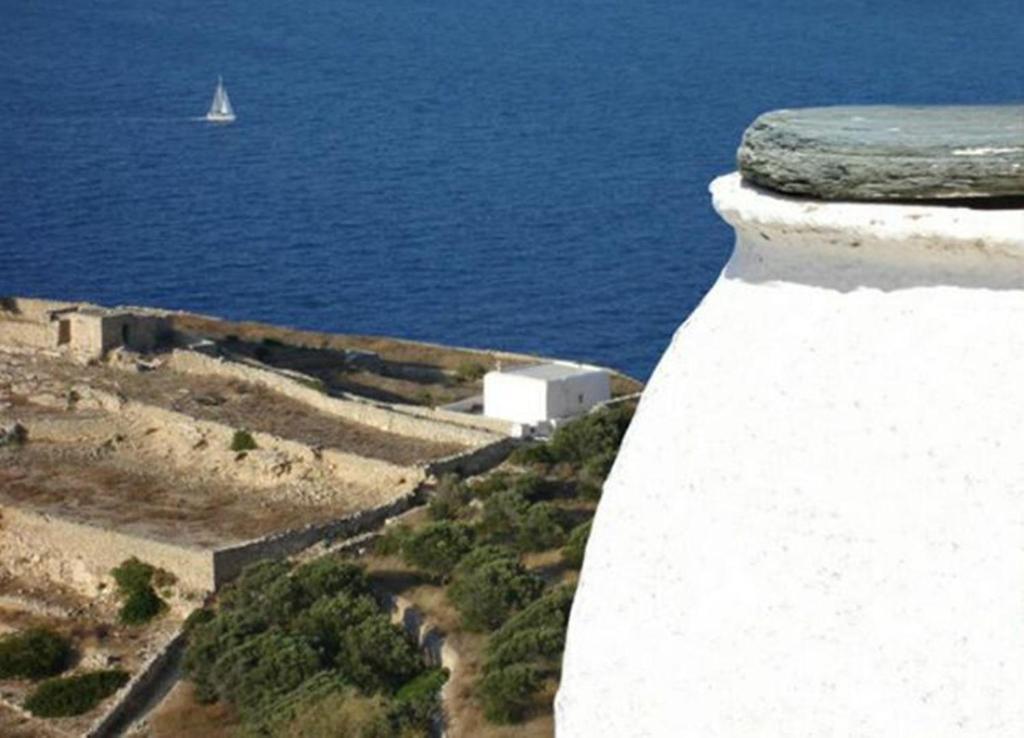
544,392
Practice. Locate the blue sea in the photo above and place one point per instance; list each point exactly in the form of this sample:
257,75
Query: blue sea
526,175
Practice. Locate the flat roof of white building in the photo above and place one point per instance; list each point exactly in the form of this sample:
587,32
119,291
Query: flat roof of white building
551,372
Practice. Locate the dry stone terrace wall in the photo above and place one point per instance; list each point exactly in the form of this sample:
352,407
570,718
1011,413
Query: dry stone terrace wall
229,561
26,334
408,421
81,555
359,470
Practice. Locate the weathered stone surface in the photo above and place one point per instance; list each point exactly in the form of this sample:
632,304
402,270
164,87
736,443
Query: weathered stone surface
888,153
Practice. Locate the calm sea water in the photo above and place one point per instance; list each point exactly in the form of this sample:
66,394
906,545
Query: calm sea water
529,175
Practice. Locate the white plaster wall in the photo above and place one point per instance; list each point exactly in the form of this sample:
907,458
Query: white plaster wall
815,527
564,396
514,397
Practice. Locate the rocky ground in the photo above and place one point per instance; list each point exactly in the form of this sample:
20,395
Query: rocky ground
30,600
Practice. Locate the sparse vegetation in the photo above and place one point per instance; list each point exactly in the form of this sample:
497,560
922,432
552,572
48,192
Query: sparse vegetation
74,695
33,654
242,441
470,371
449,499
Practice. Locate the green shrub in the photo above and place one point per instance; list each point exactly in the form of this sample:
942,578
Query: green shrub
535,635
449,499
481,555
507,693
330,575
503,514
391,541
541,528
141,606
486,486
437,547
572,552
286,637
196,618
140,603
418,702
325,624
33,654
470,371
485,594
597,434
209,641
249,591
533,454
549,611
336,714
375,655
261,669
74,695
242,440
132,574
544,645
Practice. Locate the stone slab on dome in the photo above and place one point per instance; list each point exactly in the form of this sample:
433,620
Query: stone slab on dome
883,153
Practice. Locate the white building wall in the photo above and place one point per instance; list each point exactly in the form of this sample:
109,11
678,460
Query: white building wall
514,397
815,527
577,394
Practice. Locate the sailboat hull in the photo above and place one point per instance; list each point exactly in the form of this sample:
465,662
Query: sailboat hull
219,118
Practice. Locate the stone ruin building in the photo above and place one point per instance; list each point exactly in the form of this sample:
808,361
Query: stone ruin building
84,331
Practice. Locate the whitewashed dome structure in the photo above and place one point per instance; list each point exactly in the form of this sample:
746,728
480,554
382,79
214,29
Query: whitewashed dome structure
815,526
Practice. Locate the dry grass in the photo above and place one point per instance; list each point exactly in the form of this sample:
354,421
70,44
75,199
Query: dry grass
242,405
77,483
390,350
465,717
180,714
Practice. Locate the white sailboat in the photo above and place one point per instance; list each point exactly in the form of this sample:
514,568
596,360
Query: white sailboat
220,108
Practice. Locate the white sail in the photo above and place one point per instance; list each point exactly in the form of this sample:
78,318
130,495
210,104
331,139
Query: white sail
220,109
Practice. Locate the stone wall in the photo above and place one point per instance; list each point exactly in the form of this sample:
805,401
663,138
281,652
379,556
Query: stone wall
133,698
228,562
27,334
402,420
81,555
474,461
188,432
33,309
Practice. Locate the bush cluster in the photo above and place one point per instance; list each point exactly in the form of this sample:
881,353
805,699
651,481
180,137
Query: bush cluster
33,654
587,447
488,585
508,516
287,641
449,499
74,695
475,548
522,655
437,547
574,548
139,601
